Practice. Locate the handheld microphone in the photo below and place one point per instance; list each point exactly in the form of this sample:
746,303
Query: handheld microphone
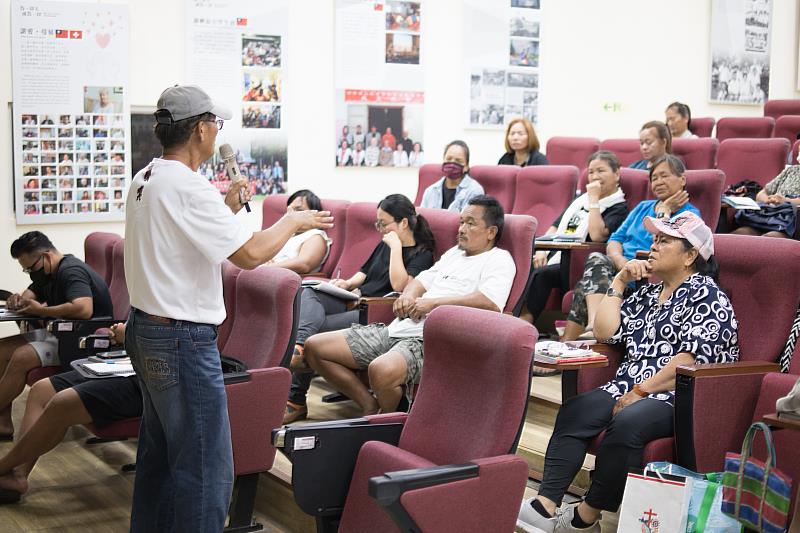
229,158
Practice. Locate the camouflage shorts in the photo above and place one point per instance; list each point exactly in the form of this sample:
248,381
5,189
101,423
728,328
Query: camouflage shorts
367,343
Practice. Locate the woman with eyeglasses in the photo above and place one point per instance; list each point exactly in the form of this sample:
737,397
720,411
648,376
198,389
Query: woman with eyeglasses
405,250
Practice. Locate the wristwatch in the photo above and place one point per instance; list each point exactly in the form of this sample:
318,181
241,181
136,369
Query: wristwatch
662,214
637,390
615,293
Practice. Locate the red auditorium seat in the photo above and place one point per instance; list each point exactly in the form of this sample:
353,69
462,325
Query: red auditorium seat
752,159
360,239
573,151
544,192
795,150
705,190
696,153
745,128
272,209
444,226
702,126
470,354
777,108
788,127
97,249
626,150
498,181
429,174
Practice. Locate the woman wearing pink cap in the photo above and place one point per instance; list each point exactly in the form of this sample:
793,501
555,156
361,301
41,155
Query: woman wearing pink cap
683,319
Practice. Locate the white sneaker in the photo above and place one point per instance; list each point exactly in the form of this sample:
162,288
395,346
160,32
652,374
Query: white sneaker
531,521
564,522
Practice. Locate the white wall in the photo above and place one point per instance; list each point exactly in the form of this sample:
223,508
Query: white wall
640,54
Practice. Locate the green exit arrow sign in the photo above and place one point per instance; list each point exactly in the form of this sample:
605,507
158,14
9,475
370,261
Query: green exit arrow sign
612,107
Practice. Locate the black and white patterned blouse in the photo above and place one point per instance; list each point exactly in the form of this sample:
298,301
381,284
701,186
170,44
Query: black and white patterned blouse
697,318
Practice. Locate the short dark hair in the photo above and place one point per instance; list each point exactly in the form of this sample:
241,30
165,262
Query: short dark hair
179,132
707,267
675,164
493,214
33,241
313,201
462,144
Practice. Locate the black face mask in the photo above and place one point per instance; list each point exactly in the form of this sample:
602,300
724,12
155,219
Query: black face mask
39,277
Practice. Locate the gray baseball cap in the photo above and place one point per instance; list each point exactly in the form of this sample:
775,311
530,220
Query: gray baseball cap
184,101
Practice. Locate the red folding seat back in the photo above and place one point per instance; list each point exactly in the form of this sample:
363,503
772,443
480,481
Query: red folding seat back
229,274
498,181
272,209
702,126
429,174
118,287
444,226
788,127
705,190
97,250
517,239
360,238
745,128
795,150
777,108
544,192
696,154
573,151
338,209
752,159
626,150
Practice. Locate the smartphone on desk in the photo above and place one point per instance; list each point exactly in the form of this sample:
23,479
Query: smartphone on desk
116,354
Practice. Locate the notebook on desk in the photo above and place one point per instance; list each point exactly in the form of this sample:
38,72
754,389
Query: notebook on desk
109,369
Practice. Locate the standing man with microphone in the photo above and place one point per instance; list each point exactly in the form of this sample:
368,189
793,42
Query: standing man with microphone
178,231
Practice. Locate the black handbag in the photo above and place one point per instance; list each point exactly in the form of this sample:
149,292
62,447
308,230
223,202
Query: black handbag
747,188
771,217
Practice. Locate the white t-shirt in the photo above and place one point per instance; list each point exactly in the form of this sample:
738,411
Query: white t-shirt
292,247
456,274
178,231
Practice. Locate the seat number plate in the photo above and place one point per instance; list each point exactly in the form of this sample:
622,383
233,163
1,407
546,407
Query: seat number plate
304,443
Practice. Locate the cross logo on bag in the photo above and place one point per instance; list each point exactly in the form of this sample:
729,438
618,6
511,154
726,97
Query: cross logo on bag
649,521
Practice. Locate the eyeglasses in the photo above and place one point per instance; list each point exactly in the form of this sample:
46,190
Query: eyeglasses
219,122
380,225
31,268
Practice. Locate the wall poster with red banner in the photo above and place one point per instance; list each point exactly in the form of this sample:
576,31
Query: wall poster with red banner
237,52
379,83
71,114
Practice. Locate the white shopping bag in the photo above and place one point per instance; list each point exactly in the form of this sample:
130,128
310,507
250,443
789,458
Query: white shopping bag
655,503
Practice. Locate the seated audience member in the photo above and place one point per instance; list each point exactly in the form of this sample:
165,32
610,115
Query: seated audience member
416,157
70,288
358,154
305,251
372,154
399,157
386,157
679,118
785,187
474,274
655,141
522,145
405,250
56,404
456,188
344,156
668,185
637,406
593,216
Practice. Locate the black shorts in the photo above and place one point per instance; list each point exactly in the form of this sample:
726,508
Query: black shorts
107,400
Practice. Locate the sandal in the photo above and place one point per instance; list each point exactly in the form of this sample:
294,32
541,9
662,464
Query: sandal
293,413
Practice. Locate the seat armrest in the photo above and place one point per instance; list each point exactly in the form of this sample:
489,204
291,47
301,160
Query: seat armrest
69,326
377,300
728,369
324,456
388,488
387,418
375,309
96,342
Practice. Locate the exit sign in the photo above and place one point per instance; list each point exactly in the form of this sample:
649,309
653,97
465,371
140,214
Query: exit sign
612,107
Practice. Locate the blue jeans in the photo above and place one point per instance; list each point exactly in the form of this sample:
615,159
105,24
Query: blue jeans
184,463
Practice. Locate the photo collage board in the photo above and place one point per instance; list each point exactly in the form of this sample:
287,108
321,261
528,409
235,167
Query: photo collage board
70,111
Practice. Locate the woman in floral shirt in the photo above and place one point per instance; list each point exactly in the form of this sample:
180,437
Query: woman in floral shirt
685,319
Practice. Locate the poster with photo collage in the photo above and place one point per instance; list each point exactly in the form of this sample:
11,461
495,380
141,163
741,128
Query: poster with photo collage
70,111
379,84
502,61
236,51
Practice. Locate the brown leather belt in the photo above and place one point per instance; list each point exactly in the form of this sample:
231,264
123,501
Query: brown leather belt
156,318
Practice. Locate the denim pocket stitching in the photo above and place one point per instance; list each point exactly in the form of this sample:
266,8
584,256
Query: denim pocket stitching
160,358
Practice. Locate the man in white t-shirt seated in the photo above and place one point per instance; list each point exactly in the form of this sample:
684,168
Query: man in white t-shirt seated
474,274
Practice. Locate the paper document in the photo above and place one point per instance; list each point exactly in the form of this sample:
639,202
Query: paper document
324,286
741,202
